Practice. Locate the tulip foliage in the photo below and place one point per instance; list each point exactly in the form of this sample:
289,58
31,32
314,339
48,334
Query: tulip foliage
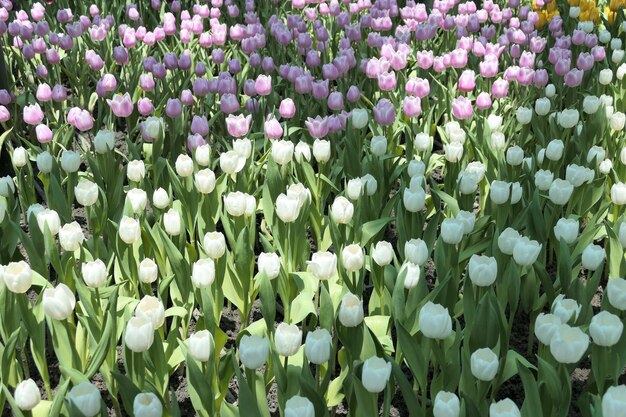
313,208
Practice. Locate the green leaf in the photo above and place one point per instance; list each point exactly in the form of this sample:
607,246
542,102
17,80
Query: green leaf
372,228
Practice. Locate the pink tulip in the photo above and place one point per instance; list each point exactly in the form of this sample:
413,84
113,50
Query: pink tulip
145,106
467,81
44,93
263,85
483,101
287,108
83,120
272,128
5,114
239,125
462,108
43,133
121,105
411,106
33,114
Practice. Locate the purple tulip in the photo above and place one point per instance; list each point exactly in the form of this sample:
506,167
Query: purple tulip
200,125
387,81
573,78
146,82
186,97
384,112
320,89
500,88
173,107
145,106
353,95
335,101
194,142
229,103
58,93
83,120
318,127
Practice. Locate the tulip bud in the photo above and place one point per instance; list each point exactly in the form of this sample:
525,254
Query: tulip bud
321,150
139,334
50,219
44,162
152,308
614,401
203,273
592,257
129,230
446,404
70,161
606,329
86,398
282,151
414,199
148,271
19,157
560,191
351,310
383,253
569,344
160,199
379,145
416,251
352,258
27,395
136,170
453,151
508,240
542,106
253,351
359,118
484,364
499,192
318,345
18,277
147,404
138,200
287,339
172,222
546,326
435,321
94,273
269,263
58,303
566,229
288,208
86,193
554,150
354,189
622,234
543,179
375,374
605,166
298,406
524,115
71,237
514,156
452,231
422,142
205,181
184,165
483,270
302,152
526,251
504,408
214,244
104,141
201,345
618,193
342,210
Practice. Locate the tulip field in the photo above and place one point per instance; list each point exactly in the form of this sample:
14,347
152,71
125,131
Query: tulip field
313,208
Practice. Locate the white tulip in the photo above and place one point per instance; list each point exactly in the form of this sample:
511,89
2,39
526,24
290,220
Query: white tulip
139,334
435,321
201,345
287,339
375,374
269,263
58,303
203,273
94,273
253,351
351,310
546,326
317,346
606,329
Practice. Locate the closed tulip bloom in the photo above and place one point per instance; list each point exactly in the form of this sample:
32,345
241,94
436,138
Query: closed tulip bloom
86,398
596,153
566,229
58,303
139,334
86,193
136,170
499,192
446,404
569,344
615,289
507,240
287,108
201,345
565,309
235,203
354,189
147,404
27,395
383,253
50,219
614,401
200,125
129,230
452,231
269,264
282,151
253,351
148,271
287,339
560,191
321,150
592,257
70,161
483,270
152,308
422,142
302,152
543,179
375,374
351,310
214,244
342,210
542,106
352,258
468,219
378,145
435,321
323,265
414,199
203,273
160,199
578,175
497,140
504,408
384,112
19,157
412,274
453,151
204,181
621,234
94,273
203,155
546,326
273,129
44,162
71,236
618,193
416,251
138,199
317,346
526,251
184,165
514,156
17,276
231,162
524,115
298,406
617,121
484,364
359,118
606,329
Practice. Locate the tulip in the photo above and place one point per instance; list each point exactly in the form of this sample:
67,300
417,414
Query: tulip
526,251
70,161
446,404
148,271
435,321
523,115
253,351
483,270
414,200
282,151
86,398
184,165
269,264
287,108
203,273
484,364
452,231
136,170
201,345
504,408
50,219
138,200
94,273
239,125
147,404
462,108
546,326
303,152
384,112
33,115
121,105
592,257
44,162
243,148
19,157
352,258
614,401
351,310
58,303
129,230
298,406
375,374
323,265
569,344
71,237
618,193
606,329
507,240
214,245
383,253
321,150
27,395
379,145
139,334
615,289
566,229
152,308
560,191
514,156
318,345
18,277
342,210
453,151
287,339
422,142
